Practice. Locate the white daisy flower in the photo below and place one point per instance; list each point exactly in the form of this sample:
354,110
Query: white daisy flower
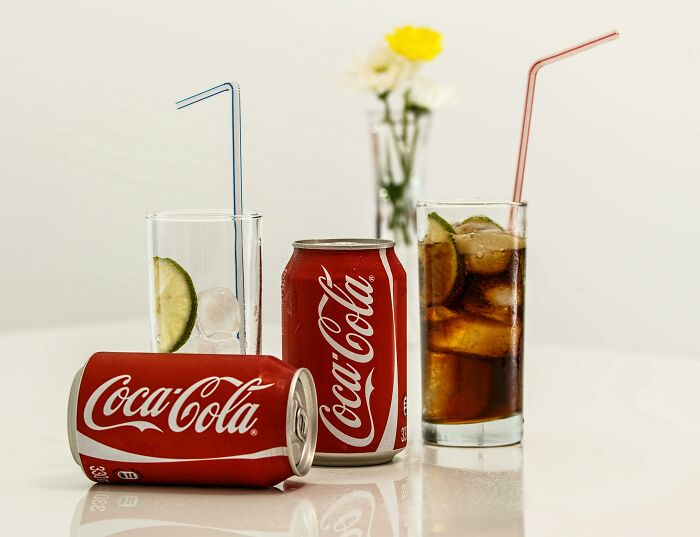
382,72
430,95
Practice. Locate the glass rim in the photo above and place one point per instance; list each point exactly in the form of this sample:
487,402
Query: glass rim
471,203
202,215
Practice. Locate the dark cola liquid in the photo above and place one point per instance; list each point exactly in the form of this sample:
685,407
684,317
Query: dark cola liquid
472,324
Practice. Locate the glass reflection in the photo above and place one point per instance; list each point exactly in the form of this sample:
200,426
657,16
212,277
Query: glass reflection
349,502
470,491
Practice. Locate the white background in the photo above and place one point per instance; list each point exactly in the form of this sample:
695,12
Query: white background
90,140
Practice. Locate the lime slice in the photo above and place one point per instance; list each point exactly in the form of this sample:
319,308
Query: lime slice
439,229
175,304
441,272
477,223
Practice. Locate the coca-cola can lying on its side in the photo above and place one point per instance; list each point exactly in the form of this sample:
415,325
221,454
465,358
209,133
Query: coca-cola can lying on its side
192,419
344,318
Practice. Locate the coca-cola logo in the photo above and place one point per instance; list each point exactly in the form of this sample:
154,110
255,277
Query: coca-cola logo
348,336
198,407
350,516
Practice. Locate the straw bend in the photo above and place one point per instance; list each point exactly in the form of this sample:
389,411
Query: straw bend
233,87
610,36
530,96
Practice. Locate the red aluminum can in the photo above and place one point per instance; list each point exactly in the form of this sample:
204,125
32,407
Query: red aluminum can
192,419
344,318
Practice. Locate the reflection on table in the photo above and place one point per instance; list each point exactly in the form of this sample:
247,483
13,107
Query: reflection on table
470,491
360,501
430,491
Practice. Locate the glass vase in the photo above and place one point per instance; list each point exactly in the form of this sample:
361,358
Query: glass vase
399,150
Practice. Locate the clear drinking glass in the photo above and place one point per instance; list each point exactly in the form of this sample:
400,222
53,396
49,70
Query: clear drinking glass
200,265
472,287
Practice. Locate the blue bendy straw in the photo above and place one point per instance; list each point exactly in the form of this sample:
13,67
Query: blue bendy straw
237,176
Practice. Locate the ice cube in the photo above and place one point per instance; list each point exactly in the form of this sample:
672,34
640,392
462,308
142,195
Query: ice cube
218,314
495,298
472,334
457,387
439,384
438,314
483,309
489,251
230,346
504,295
190,347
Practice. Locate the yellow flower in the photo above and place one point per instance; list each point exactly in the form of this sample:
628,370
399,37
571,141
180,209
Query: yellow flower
416,44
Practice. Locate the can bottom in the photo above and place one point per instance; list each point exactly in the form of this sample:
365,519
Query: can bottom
355,459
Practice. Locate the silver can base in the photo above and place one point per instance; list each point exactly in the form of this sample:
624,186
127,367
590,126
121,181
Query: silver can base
355,459
503,432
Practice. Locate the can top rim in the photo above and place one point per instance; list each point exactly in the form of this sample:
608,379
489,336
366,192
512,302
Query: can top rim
301,443
343,244
73,415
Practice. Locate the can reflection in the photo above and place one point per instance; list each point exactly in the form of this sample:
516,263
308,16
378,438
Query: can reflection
358,502
328,502
110,510
470,491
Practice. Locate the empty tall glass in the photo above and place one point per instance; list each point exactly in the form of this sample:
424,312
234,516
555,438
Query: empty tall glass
472,285
205,281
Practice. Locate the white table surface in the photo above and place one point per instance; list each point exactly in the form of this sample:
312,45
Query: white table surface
611,447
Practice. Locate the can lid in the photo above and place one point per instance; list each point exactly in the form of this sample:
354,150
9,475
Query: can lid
343,244
73,415
302,422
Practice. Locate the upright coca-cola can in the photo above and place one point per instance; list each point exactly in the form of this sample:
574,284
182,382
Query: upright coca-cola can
192,419
344,318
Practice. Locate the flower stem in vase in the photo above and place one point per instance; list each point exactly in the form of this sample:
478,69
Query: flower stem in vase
399,147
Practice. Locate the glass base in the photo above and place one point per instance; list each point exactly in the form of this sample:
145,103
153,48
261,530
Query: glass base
503,432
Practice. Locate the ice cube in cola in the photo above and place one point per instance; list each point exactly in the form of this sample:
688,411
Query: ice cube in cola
472,283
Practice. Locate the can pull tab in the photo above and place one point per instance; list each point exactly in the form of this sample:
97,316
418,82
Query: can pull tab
301,422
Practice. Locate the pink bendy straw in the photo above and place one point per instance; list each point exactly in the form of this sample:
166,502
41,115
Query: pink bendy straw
530,96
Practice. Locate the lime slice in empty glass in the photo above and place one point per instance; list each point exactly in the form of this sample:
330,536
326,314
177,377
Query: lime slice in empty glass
175,304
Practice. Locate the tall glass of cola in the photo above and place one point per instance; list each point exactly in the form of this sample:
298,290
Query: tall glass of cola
472,286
